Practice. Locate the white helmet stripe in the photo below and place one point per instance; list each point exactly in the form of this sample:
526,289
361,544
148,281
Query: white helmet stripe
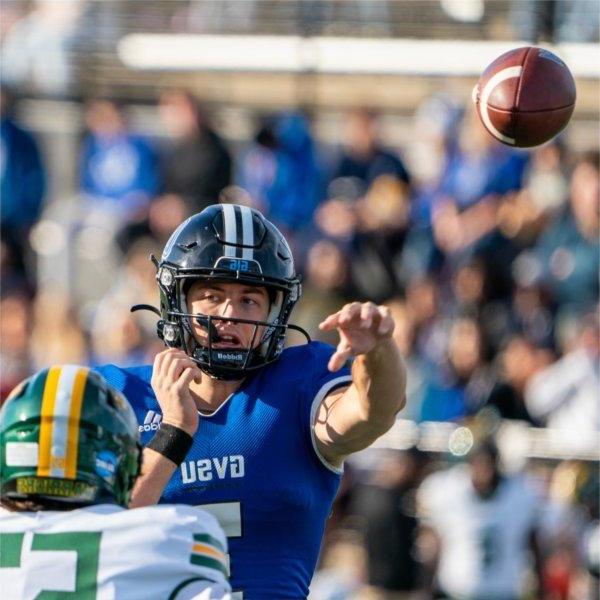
230,228
62,410
248,233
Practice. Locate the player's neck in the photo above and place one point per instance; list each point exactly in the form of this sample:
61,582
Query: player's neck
210,393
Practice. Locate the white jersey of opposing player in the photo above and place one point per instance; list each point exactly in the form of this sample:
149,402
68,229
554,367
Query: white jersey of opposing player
105,552
484,543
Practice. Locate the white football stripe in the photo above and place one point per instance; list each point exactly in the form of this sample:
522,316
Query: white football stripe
489,87
248,233
230,227
62,408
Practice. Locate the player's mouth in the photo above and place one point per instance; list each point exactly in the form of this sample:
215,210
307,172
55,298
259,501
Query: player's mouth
227,340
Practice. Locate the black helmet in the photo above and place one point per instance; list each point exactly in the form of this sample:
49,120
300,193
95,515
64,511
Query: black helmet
229,243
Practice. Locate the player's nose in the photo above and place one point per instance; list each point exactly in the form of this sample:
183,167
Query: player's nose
227,309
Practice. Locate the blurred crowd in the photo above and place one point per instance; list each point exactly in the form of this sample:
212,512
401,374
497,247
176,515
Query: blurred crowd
410,525
488,257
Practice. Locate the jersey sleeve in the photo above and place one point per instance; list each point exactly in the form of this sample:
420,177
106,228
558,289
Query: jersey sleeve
208,549
320,382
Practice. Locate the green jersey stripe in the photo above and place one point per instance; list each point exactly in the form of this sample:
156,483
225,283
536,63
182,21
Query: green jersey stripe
10,550
209,563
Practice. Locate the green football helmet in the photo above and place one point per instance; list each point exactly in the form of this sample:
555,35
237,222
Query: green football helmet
68,437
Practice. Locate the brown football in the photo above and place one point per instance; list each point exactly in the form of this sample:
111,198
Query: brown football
525,97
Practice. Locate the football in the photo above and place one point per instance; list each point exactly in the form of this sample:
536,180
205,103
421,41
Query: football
525,97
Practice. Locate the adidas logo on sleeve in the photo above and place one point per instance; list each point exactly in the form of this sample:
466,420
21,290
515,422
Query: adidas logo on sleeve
151,422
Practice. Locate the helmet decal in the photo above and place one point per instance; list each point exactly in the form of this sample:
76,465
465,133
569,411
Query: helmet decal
238,232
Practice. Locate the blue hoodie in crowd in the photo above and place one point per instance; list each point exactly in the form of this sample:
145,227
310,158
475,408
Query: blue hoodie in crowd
296,189
22,177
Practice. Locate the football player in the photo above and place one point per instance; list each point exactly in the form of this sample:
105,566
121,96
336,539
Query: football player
70,454
484,526
234,422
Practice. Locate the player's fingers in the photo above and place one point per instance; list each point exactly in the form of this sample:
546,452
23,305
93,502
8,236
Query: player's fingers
338,359
386,324
158,366
368,315
330,322
186,377
177,366
349,313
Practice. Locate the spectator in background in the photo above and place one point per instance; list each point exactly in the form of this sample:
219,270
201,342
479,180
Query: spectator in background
460,385
57,335
116,334
385,511
325,287
416,369
15,331
22,188
118,168
281,173
118,337
196,164
468,288
568,252
528,311
426,309
518,362
258,166
382,223
565,394
35,51
555,20
479,172
363,157
484,524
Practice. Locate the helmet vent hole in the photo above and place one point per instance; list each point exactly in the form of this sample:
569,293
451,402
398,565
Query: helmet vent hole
186,247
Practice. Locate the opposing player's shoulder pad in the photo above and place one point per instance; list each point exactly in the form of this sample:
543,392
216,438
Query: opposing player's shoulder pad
208,548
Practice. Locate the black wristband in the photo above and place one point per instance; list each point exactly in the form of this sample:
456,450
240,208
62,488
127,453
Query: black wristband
173,443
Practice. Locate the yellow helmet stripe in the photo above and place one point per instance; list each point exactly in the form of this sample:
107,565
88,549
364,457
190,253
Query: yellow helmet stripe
62,411
74,416
47,419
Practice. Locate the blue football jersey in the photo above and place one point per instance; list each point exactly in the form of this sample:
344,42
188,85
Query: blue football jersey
254,465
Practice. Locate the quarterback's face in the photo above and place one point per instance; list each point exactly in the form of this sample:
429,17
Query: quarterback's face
234,300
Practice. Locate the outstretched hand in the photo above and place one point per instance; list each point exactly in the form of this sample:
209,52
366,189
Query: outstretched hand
361,326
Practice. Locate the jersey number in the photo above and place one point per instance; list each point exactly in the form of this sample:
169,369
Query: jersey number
82,581
229,515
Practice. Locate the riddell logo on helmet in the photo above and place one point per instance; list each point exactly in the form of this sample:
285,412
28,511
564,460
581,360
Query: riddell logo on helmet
229,356
151,422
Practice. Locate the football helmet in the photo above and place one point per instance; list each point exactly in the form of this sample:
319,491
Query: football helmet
68,437
235,244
